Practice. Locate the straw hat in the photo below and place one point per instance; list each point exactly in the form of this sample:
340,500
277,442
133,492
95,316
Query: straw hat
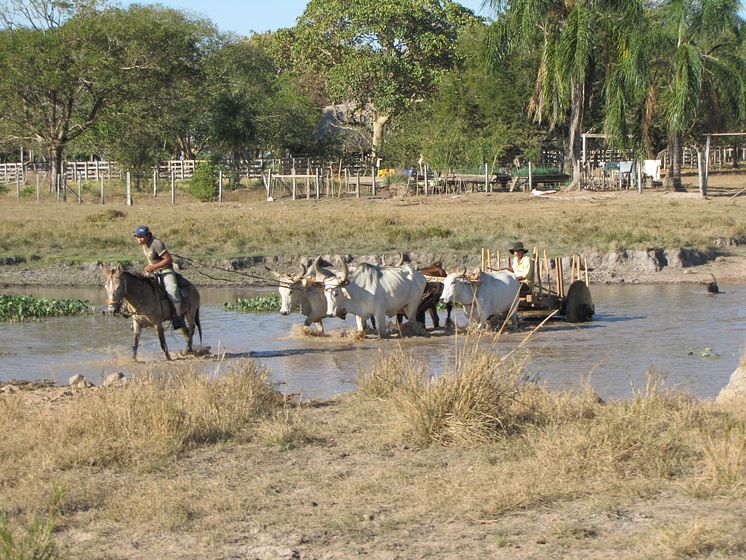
518,247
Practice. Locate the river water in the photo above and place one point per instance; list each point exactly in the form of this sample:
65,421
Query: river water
694,339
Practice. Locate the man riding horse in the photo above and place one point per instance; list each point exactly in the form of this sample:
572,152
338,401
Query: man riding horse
160,263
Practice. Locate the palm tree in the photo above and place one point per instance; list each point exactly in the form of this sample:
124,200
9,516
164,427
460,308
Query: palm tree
681,72
575,40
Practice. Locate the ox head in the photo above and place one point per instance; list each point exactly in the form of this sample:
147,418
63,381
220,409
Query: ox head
335,289
114,286
290,289
449,285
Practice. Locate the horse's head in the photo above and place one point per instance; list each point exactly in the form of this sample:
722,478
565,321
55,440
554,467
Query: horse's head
114,286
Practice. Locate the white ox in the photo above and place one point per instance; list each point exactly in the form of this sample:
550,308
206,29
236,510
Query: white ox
491,293
302,293
376,291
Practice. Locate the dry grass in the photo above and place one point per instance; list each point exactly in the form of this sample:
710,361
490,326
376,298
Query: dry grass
142,425
247,225
476,461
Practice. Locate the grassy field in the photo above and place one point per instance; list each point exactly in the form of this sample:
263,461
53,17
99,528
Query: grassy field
246,225
477,464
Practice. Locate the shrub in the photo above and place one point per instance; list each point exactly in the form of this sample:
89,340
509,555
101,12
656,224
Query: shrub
204,183
36,542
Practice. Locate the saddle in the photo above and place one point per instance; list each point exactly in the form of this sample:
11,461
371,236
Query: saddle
181,282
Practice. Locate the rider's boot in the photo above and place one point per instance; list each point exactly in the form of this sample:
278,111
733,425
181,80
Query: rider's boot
177,322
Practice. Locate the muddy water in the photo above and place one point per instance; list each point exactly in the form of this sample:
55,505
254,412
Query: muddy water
694,339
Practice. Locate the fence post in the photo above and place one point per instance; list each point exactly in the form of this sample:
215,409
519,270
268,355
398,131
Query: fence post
530,177
316,178
292,178
80,189
373,175
18,186
220,186
173,188
487,186
308,183
155,182
129,189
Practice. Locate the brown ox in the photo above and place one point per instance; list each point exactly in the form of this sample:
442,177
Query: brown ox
431,296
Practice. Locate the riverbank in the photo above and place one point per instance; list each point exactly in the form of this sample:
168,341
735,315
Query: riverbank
479,464
654,266
656,236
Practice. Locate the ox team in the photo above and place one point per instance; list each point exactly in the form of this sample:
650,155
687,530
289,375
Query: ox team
377,291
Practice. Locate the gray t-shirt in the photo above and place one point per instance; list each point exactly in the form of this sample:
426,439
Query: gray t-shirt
154,252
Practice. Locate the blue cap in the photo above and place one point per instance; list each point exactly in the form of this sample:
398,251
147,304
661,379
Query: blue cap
142,231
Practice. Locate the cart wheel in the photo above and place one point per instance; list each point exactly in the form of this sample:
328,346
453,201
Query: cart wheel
578,303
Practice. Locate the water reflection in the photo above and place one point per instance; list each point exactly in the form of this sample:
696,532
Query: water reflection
666,328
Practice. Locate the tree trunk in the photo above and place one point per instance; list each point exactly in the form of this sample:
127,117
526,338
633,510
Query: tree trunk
673,179
576,122
56,155
379,123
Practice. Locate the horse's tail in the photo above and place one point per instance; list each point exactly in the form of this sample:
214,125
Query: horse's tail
199,325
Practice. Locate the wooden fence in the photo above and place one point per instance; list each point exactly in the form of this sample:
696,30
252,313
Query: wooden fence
11,172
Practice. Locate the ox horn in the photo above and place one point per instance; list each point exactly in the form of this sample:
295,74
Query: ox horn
303,270
315,266
460,271
345,273
400,261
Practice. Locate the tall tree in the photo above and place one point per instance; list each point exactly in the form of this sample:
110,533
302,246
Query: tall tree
379,56
471,119
697,60
57,83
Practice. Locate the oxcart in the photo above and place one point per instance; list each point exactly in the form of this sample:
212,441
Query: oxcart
549,295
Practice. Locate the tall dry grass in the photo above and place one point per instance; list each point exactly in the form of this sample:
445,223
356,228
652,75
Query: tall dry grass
156,416
560,443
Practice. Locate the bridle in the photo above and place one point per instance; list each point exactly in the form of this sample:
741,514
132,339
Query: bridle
115,295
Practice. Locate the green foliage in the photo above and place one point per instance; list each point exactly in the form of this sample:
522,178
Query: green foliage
476,116
37,542
377,55
204,183
19,308
269,302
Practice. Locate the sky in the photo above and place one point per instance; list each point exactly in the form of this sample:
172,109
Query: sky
246,16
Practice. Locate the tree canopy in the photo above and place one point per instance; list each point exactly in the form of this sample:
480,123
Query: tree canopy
434,81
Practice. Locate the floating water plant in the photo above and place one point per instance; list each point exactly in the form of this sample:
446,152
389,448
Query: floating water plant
19,308
269,302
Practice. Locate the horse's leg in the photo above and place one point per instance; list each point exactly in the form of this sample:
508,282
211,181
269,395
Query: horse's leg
188,333
162,339
136,329
199,325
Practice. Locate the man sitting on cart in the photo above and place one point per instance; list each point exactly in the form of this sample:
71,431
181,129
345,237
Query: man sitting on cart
522,265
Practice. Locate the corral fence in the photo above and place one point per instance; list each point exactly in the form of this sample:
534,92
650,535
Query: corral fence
721,157
181,169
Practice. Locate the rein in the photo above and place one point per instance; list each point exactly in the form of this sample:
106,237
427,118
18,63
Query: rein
198,266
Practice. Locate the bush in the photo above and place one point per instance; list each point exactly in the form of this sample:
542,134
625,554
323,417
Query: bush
204,183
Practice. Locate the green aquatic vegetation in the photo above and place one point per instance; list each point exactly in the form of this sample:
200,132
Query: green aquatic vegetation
19,308
269,302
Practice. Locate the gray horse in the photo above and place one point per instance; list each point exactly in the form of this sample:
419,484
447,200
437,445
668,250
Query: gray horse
149,305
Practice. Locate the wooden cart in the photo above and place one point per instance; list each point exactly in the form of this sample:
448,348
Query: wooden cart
548,294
